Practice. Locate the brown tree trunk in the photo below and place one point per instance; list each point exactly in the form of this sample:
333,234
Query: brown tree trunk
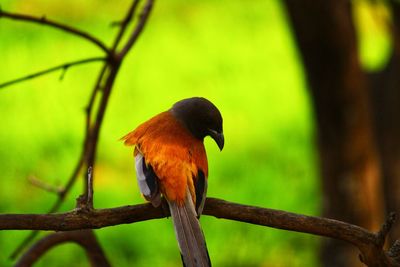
349,165
385,92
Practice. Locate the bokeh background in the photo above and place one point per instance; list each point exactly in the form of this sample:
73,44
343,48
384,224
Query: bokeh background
241,55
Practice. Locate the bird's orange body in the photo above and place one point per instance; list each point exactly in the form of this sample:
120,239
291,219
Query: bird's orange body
171,161
175,155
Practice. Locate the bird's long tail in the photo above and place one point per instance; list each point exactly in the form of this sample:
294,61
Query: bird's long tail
189,234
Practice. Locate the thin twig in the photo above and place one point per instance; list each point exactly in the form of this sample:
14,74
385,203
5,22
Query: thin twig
43,20
89,197
45,186
139,28
124,24
114,68
89,107
64,67
95,131
55,207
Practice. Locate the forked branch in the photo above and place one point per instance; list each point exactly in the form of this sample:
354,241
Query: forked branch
102,88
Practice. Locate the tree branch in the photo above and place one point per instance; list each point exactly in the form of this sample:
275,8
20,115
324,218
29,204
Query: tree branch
115,64
139,28
43,20
55,206
80,218
125,23
367,242
64,67
108,73
85,238
123,26
45,186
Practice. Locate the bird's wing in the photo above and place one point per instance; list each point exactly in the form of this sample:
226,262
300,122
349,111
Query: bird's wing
147,180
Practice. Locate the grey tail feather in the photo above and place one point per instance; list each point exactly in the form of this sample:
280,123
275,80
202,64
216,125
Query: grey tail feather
189,234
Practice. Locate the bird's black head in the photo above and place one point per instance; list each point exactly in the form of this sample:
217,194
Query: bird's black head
201,117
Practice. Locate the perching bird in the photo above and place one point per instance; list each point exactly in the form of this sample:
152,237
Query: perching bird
171,160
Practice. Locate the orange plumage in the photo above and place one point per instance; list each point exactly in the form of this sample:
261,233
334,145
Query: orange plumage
170,159
174,153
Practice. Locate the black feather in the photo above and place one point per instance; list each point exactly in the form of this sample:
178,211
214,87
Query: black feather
200,186
151,178
147,180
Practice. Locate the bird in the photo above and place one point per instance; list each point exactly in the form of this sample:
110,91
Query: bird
171,162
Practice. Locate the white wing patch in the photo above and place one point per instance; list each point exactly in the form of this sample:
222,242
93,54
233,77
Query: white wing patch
147,180
141,178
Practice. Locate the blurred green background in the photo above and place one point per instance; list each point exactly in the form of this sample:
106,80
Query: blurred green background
239,54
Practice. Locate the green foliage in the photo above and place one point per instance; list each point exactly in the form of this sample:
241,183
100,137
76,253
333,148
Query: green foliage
240,56
372,20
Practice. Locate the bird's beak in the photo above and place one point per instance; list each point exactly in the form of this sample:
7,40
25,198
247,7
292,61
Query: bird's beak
218,138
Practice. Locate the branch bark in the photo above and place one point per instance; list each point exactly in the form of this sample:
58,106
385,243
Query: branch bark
107,74
85,238
63,67
385,99
66,28
370,244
